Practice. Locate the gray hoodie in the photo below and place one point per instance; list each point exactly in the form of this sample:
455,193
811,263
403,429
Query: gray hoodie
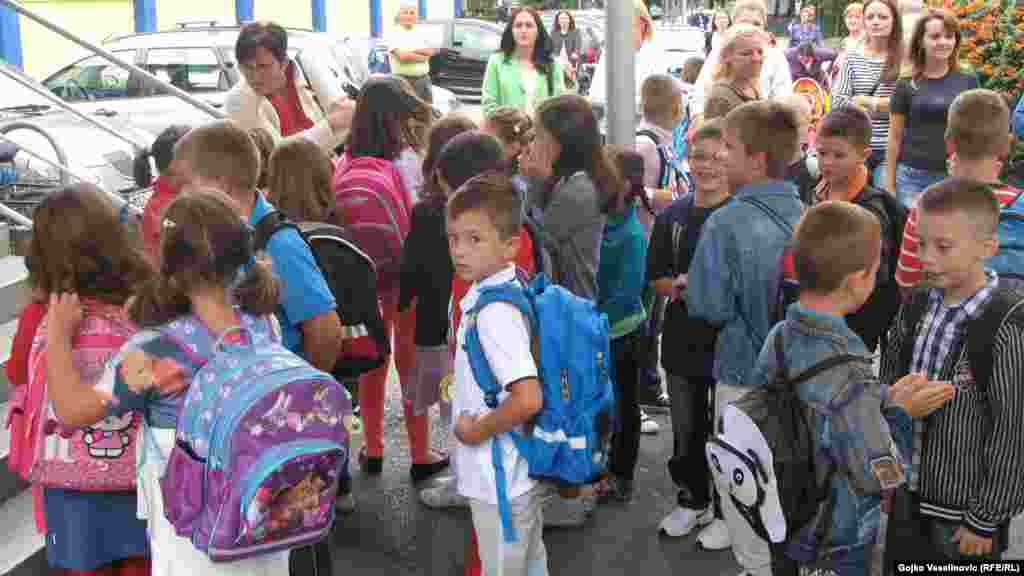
573,225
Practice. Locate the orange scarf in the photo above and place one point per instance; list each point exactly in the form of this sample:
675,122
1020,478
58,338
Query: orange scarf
823,191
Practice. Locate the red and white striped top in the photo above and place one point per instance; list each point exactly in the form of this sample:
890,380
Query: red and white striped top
908,271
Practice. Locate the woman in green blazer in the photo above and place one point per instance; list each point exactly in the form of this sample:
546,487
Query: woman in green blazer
524,73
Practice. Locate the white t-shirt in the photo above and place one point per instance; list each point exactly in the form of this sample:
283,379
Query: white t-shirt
505,339
529,76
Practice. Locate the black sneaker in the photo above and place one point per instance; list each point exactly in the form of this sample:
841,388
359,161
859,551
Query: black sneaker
660,403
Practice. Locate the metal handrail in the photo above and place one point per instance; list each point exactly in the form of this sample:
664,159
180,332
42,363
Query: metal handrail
181,94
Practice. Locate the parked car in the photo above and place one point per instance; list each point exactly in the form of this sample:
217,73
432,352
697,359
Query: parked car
38,126
198,60
466,45
679,43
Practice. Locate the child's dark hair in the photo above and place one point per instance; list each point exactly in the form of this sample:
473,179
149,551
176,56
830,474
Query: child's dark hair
512,125
493,194
204,243
631,168
973,198
299,181
389,116
79,245
467,155
834,240
265,145
691,69
161,151
440,134
570,119
851,123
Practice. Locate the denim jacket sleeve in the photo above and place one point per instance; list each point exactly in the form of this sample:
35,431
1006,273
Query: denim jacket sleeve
861,436
711,292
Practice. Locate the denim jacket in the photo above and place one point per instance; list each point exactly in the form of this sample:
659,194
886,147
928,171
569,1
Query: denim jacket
734,275
852,423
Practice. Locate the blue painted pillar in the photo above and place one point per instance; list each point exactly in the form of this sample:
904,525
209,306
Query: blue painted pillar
10,36
423,10
319,8
145,15
376,19
244,11
458,8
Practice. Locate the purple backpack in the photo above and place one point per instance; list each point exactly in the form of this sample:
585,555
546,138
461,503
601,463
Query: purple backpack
260,442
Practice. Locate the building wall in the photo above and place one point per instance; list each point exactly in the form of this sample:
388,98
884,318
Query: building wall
171,12
290,13
347,17
93,20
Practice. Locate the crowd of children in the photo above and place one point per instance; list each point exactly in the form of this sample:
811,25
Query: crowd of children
703,258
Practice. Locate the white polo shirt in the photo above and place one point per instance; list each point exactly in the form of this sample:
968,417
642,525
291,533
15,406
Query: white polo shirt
505,339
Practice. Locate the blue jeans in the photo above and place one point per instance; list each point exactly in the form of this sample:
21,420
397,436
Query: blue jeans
911,182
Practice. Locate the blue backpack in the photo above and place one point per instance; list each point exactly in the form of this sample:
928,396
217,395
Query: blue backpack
568,441
1009,262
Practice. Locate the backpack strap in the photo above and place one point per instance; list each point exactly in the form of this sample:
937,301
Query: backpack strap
663,158
910,317
981,332
760,205
510,293
268,225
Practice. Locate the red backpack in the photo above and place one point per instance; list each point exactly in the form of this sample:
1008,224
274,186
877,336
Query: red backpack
374,207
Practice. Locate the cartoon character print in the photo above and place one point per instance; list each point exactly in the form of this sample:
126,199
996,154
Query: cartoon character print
304,504
141,372
280,416
110,438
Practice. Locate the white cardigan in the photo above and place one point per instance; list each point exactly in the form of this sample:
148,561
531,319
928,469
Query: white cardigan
317,86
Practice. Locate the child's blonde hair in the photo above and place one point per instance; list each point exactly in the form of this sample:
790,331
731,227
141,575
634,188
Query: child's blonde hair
978,125
265,144
204,244
659,95
834,240
768,127
221,151
513,126
299,178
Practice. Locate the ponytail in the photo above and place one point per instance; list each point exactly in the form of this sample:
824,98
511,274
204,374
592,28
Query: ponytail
142,168
257,293
158,301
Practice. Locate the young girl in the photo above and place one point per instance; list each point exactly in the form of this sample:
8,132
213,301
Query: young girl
868,77
426,276
164,189
513,128
920,105
388,128
78,245
299,176
204,245
620,288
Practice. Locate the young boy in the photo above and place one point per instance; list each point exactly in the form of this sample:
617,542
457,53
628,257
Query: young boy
688,344
662,102
967,473
484,220
803,168
844,145
838,249
978,139
734,273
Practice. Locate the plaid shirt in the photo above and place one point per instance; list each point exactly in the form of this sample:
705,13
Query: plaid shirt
940,329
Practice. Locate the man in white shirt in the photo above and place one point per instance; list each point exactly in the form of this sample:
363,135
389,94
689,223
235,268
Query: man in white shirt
776,80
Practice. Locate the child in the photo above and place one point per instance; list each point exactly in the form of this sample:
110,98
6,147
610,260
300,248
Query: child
663,109
734,272
844,146
299,177
688,344
204,245
978,139
838,249
165,188
803,168
78,245
265,145
967,478
388,127
484,221
513,128
620,281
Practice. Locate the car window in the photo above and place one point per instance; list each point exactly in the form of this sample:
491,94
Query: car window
433,34
476,38
194,70
94,78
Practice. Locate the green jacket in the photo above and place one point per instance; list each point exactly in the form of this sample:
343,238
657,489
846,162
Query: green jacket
503,85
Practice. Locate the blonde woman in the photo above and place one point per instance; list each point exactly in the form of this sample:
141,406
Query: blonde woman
738,71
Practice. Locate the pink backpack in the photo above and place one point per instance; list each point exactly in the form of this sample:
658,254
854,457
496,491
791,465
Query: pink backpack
375,207
98,458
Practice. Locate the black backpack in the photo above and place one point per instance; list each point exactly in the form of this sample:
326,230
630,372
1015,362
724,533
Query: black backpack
771,424
352,278
893,215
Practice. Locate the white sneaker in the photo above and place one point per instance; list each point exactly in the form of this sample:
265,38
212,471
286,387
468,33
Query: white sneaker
647,424
444,494
682,521
715,536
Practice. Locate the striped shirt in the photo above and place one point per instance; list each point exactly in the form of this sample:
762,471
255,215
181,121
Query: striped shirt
908,271
859,76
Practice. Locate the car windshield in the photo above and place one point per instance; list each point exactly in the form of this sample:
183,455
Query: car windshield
14,95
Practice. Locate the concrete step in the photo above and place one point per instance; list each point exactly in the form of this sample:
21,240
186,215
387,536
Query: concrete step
14,290
22,548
